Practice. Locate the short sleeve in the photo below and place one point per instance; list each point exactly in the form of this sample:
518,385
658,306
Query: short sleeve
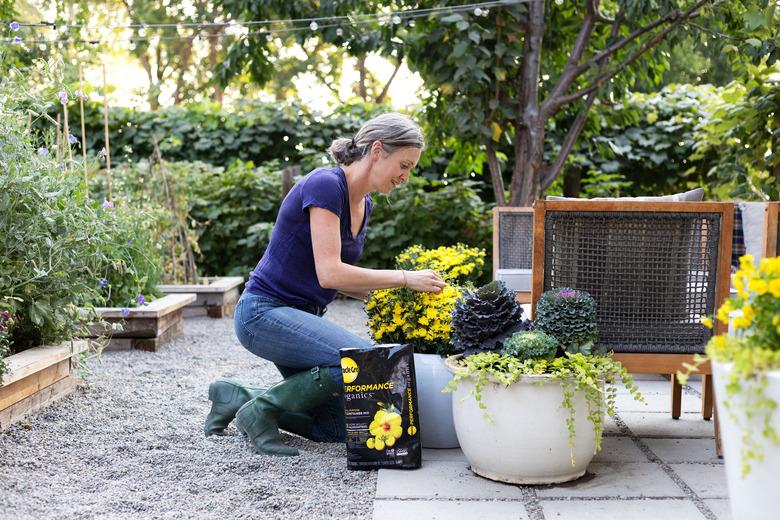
323,189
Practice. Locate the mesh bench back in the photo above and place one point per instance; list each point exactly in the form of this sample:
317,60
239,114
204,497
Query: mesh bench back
515,239
652,274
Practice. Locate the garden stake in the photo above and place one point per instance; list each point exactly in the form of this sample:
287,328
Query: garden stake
83,132
105,131
66,134
58,136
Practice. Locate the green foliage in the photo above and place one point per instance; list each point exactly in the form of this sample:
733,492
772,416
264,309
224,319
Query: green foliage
569,316
57,244
427,213
484,318
738,144
643,145
532,344
253,132
227,203
575,372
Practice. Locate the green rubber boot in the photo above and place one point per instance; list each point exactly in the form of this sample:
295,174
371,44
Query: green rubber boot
227,396
259,419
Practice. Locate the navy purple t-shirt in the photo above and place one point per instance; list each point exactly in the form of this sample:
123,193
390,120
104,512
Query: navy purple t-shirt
286,272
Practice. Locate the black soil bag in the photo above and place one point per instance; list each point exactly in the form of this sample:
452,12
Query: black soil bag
380,406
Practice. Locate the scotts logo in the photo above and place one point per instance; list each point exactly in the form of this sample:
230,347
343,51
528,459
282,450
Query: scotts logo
349,369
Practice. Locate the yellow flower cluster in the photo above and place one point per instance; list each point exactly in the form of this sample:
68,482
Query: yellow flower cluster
385,429
758,299
404,316
456,264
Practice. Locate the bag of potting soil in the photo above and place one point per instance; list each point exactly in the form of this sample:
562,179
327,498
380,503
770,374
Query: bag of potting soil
380,406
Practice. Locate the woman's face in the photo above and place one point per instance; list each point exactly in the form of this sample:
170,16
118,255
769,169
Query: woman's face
392,170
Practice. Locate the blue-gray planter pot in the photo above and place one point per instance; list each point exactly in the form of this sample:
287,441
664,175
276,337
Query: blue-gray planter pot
437,429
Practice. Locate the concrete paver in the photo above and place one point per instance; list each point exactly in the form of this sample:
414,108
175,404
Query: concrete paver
706,480
618,479
623,509
449,510
619,449
674,451
719,506
441,479
648,424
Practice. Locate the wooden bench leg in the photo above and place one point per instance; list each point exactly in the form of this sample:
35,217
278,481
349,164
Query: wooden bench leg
676,397
706,397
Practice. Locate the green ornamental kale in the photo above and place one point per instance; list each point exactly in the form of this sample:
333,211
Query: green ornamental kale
532,344
482,319
569,316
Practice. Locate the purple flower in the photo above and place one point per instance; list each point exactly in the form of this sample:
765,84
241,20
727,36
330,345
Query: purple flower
62,167
567,293
43,151
63,97
141,300
80,93
125,312
107,205
5,316
17,40
72,139
130,242
102,153
15,26
103,282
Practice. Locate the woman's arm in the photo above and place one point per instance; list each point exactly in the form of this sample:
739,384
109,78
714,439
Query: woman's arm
332,273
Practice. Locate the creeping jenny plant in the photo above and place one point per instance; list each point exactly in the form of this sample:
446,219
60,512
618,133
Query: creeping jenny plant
754,350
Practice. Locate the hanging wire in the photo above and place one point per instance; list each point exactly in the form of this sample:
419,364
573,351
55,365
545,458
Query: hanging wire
352,20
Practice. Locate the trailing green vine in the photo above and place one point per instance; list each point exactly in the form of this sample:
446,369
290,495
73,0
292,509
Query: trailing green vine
596,376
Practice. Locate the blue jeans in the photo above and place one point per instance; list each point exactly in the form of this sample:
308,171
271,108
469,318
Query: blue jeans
296,340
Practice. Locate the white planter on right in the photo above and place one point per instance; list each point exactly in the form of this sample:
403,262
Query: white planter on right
755,495
527,441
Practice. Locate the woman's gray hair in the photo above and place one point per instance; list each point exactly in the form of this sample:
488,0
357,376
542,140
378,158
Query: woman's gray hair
393,130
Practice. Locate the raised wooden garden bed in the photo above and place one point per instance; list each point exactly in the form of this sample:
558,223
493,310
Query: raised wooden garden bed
36,378
216,296
146,327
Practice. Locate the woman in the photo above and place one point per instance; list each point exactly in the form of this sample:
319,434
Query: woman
316,242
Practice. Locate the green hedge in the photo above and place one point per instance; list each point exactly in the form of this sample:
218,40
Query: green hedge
233,209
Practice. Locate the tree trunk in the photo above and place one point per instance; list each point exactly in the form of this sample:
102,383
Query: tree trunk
529,123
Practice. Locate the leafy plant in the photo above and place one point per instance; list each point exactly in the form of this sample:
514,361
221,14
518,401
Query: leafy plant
531,344
485,317
575,373
569,316
753,350
429,214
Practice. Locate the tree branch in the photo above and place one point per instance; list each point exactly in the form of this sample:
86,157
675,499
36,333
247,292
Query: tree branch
381,96
569,74
554,104
552,172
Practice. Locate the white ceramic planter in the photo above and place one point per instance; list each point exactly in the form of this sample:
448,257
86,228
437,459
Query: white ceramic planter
436,427
755,495
527,441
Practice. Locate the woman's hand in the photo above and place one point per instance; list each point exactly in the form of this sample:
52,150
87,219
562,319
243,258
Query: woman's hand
423,281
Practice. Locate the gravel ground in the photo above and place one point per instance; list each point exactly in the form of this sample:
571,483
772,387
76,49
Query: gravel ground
130,443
